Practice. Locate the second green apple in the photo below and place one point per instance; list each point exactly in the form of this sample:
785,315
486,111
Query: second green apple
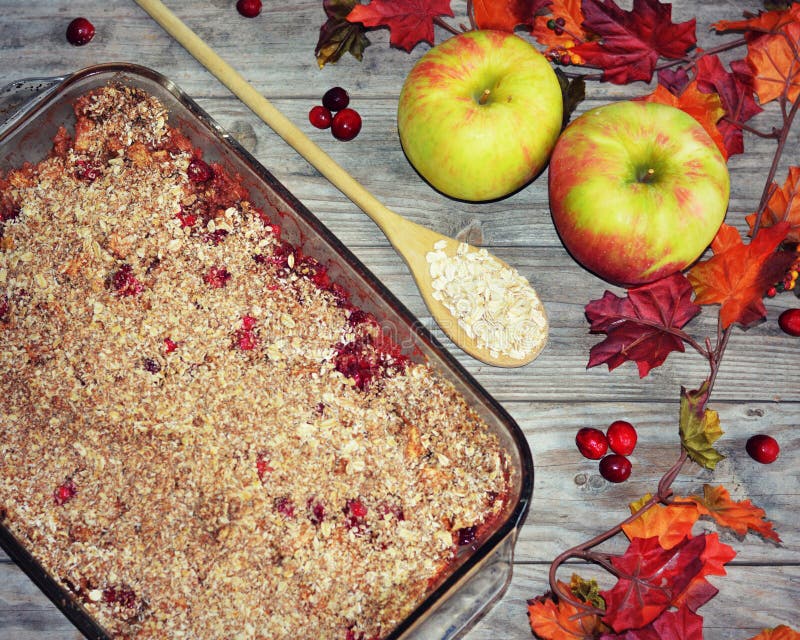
479,115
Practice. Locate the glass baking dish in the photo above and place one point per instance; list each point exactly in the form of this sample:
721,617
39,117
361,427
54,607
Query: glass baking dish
483,570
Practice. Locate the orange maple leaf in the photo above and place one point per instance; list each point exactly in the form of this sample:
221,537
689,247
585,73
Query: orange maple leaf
772,51
506,16
671,523
765,22
781,632
742,516
737,275
570,11
706,108
561,621
783,206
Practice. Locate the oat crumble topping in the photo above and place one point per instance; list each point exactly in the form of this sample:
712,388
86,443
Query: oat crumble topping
200,436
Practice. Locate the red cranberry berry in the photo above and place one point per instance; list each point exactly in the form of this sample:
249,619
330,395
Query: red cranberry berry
466,536
169,345
217,277
284,506
65,492
151,366
119,595
335,99
763,448
346,124
789,322
320,117
355,513
591,442
621,437
316,511
80,31
125,283
263,466
199,171
249,8
615,468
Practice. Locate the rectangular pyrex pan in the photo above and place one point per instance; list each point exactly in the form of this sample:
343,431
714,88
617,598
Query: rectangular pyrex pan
483,570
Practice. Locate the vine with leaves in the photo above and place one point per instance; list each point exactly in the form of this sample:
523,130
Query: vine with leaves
661,576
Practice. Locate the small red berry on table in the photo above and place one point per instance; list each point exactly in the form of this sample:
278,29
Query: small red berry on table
346,124
622,437
763,448
79,32
320,117
249,8
615,468
591,442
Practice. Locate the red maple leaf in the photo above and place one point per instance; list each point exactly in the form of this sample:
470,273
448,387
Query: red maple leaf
650,579
409,21
736,96
738,275
682,624
642,326
714,557
630,43
507,15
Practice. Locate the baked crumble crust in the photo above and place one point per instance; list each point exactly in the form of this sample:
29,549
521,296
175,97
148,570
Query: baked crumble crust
200,436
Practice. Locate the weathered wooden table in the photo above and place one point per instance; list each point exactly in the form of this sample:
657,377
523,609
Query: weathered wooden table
757,388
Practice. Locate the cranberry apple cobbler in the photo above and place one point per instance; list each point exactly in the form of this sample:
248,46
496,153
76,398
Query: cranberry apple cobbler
200,435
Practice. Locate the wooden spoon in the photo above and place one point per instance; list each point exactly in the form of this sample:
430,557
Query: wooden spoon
412,241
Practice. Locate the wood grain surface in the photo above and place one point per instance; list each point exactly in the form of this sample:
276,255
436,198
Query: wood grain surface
757,389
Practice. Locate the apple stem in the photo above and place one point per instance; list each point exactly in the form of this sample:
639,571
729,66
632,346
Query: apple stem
484,96
647,176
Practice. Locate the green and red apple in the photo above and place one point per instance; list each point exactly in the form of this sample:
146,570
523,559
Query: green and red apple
479,114
638,190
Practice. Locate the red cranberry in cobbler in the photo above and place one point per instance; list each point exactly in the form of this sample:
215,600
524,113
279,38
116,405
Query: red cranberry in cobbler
79,32
151,366
217,277
263,466
284,506
355,513
199,171
314,271
120,595
125,283
86,171
187,219
248,8
169,345
320,117
65,492
215,237
316,510
466,535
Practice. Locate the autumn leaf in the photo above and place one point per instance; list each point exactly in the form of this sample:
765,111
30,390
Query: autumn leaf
706,108
629,43
671,524
781,632
682,624
565,39
699,591
741,517
738,275
643,326
699,427
649,579
560,621
338,36
763,22
736,96
409,21
573,92
772,53
507,15
783,206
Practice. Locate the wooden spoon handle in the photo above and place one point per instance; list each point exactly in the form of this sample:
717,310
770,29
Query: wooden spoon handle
390,222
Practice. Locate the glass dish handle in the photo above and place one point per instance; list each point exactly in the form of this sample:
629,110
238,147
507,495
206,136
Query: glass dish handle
20,96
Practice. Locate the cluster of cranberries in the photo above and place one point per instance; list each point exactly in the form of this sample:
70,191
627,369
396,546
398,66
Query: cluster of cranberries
620,437
344,122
